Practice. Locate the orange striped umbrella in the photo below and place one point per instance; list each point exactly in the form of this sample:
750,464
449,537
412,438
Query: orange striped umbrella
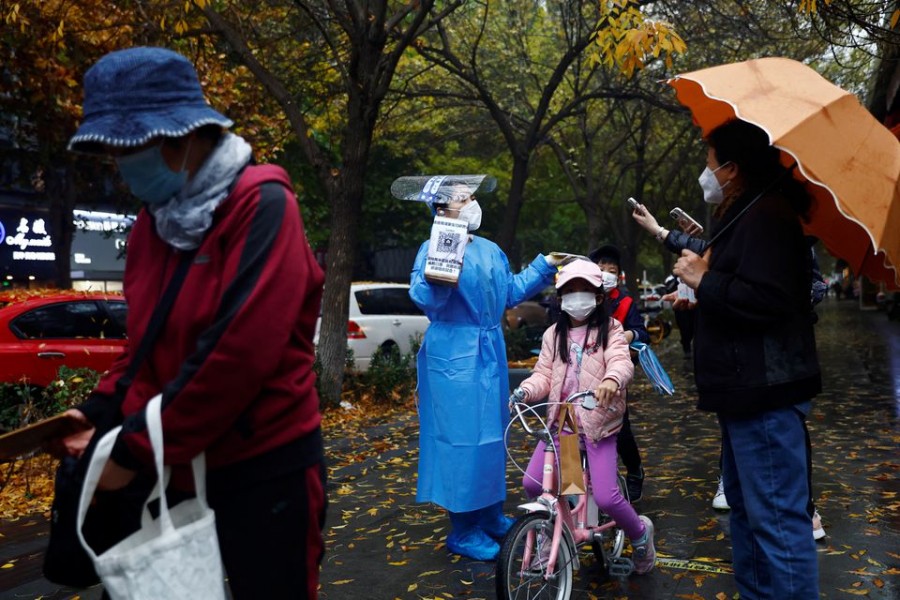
849,162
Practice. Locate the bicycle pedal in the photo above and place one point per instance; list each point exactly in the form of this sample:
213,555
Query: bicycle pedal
620,567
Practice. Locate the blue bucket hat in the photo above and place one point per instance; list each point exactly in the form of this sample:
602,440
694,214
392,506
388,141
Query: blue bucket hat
132,96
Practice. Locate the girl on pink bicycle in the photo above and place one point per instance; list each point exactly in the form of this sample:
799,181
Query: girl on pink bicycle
586,349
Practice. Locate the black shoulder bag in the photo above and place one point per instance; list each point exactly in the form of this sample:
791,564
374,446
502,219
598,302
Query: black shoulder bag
112,515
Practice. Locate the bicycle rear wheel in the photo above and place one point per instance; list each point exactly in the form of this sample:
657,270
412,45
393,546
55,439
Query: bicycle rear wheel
531,535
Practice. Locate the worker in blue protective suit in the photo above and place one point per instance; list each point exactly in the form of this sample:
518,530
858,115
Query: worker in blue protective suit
464,384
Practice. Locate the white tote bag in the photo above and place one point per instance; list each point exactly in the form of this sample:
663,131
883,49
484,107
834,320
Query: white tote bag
175,556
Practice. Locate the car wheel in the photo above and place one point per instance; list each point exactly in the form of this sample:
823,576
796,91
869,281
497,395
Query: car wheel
390,349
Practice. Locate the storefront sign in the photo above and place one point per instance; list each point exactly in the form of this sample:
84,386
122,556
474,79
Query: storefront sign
98,244
27,249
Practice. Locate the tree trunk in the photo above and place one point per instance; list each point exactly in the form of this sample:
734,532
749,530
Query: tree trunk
594,222
346,206
507,235
61,194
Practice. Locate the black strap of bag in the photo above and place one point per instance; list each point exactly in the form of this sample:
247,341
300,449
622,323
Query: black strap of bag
113,515
750,204
156,323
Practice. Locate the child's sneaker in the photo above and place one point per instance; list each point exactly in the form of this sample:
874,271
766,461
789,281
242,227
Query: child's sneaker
818,530
720,502
644,552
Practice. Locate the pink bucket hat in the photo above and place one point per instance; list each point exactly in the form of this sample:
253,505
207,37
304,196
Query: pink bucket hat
580,269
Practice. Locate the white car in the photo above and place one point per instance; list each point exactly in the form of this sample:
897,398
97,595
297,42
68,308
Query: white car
382,316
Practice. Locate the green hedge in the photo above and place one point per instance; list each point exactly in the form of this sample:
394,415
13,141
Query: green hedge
21,403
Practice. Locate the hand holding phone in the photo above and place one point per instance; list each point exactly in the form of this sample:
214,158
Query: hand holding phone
686,222
635,205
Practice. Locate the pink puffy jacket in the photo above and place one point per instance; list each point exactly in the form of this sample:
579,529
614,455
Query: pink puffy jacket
596,365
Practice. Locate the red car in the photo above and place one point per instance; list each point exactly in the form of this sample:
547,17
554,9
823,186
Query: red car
75,329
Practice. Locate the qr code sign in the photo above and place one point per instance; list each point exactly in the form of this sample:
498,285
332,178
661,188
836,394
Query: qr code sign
448,241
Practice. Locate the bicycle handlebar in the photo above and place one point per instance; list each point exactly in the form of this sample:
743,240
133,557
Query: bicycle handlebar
589,403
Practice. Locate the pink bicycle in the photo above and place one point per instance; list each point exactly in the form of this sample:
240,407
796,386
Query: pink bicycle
539,554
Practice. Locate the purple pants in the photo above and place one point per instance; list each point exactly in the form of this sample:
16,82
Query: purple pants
601,459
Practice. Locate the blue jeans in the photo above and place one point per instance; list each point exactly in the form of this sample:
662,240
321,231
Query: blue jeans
766,481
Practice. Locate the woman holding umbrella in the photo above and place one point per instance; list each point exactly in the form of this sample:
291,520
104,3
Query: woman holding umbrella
755,357
676,241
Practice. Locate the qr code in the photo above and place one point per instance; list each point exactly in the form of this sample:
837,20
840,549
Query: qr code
448,241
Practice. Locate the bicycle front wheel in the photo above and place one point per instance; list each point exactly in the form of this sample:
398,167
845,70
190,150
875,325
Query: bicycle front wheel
522,565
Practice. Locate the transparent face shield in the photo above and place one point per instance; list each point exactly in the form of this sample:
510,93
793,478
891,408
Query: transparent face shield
437,190
457,215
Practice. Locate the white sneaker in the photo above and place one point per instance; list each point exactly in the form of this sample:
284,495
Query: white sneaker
720,502
818,530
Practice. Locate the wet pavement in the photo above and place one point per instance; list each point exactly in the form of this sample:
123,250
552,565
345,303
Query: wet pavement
381,545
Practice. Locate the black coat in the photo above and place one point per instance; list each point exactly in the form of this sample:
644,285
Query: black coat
754,348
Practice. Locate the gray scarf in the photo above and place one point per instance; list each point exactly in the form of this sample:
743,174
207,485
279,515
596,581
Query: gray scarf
183,220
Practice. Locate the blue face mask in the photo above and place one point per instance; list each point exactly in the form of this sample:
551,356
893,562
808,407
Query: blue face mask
149,177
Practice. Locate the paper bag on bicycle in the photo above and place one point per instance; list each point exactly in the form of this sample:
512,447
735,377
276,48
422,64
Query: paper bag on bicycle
570,472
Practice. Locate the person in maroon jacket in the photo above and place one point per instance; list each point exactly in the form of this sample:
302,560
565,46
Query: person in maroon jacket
234,359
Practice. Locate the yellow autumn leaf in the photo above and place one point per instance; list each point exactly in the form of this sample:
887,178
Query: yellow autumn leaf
341,581
7,566
428,573
894,18
855,592
412,587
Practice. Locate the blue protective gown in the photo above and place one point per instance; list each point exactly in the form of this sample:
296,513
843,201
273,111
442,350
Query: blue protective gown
464,378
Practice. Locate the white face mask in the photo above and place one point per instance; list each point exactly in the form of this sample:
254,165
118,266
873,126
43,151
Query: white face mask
471,213
712,191
610,281
579,305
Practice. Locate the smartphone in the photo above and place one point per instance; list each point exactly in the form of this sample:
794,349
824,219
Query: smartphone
686,222
635,205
